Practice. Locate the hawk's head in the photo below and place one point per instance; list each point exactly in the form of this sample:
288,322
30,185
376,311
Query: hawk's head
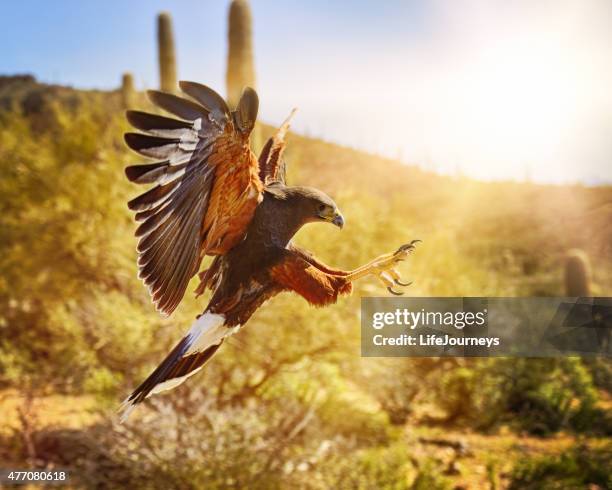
311,205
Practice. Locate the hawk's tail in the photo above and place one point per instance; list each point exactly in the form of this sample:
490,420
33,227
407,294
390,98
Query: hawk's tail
186,358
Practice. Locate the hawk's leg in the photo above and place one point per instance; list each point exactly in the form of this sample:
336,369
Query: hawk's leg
383,267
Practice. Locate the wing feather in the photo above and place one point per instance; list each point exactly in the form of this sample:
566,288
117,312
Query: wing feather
152,197
183,108
204,171
210,99
154,122
145,174
272,166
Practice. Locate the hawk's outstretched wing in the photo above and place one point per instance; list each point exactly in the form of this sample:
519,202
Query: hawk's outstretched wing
206,185
272,166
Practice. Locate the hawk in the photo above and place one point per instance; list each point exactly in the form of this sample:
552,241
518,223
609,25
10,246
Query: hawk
212,196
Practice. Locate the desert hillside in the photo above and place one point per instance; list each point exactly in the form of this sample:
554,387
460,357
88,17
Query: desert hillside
288,403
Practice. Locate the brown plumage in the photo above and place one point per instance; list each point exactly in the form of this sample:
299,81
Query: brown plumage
313,281
271,162
213,197
207,186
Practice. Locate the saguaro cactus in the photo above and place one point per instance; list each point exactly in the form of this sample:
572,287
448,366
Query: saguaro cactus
127,90
240,68
167,59
577,274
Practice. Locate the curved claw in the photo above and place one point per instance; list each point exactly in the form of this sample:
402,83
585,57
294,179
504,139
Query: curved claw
390,289
400,283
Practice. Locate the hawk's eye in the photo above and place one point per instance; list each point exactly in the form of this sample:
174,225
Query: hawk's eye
322,208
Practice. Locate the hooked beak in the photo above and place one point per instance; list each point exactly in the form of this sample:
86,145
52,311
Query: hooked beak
333,216
338,220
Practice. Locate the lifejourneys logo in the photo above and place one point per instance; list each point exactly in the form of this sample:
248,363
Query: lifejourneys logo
422,318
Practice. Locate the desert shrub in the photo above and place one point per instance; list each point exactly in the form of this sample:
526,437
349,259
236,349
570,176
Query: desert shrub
200,448
396,391
69,298
400,385
546,395
385,467
540,396
381,467
428,478
188,442
601,372
231,450
469,394
581,467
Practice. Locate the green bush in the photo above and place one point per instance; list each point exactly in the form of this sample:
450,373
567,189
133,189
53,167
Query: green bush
578,468
547,395
382,467
540,396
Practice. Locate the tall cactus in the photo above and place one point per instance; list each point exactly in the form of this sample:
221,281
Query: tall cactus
167,59
127,90
240,67
577,274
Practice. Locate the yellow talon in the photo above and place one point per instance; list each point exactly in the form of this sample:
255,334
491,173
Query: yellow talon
383,268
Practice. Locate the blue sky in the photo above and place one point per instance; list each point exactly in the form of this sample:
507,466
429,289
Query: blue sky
491,88
89,44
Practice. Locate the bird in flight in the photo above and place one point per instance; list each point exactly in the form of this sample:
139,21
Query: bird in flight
213,196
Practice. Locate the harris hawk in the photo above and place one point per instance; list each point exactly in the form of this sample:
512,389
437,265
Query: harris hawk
212,196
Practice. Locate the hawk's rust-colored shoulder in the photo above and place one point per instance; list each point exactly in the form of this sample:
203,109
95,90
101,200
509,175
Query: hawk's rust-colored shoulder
319,284
206,185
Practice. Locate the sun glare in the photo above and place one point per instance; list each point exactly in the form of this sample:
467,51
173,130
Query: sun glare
493,93
507,111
